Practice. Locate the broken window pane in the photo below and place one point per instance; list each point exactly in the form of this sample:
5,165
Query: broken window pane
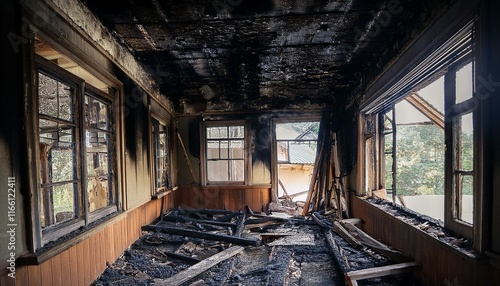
64,199
55,98
96,113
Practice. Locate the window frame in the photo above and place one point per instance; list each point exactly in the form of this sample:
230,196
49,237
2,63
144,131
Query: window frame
246,153
82,215
453,111
159,121
107,99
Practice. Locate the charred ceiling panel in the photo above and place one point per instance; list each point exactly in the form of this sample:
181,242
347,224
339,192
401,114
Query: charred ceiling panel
242,54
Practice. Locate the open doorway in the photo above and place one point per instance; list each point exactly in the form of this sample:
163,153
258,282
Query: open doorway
295,153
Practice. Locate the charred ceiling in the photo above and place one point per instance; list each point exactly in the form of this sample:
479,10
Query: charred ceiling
242,54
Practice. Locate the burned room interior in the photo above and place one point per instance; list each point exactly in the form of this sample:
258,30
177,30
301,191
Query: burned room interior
238,142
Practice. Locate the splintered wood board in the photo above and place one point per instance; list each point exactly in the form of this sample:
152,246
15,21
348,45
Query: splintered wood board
200,267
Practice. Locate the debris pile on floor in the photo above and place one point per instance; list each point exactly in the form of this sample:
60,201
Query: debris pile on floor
217,247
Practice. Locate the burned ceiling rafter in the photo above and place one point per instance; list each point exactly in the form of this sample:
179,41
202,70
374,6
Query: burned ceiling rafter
249,54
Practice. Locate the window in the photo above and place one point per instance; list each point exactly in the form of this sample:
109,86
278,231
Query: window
225,154
426,137
76,150
161,147
58,142
99,156
460,115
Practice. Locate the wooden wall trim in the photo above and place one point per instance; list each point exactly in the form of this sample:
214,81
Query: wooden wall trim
224,197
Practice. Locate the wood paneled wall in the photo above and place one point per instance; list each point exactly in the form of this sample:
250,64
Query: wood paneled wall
224,198
84,262
441,264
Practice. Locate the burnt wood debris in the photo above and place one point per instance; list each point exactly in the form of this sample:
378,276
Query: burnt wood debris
219,247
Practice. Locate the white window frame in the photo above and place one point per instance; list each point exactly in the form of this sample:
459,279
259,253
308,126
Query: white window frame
203,154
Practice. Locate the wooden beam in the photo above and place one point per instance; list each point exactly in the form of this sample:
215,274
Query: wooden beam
198,268
381,271
426,108
200,234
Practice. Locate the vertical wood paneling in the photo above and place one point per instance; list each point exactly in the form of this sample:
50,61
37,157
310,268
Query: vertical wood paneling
7,281
34,275
73,265
228,199
46,273
21,276
92,256
65,262
56,270
80,264
86,261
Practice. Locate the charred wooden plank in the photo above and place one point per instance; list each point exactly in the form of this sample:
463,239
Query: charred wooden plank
241,226
280,261
339,260
198,268
178,256
380,271
175,218
200,234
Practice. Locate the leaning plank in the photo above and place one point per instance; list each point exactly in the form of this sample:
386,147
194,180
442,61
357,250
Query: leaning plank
364,237
200,267
374,244
200,234
340,230
381,271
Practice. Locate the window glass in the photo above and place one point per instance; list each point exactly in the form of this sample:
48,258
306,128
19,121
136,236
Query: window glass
225,153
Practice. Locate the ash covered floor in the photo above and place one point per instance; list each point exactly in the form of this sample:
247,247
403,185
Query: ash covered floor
278,250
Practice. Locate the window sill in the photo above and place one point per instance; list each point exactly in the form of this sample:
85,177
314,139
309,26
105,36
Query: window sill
415,220
46,254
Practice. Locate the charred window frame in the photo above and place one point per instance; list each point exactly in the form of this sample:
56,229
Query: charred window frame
448,62
224,153
461,139
74,167
161,146
100,154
